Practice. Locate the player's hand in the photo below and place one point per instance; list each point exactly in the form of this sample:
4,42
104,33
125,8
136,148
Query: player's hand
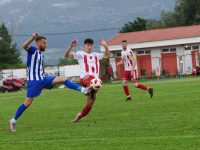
35,35
74,43
119,63
103,42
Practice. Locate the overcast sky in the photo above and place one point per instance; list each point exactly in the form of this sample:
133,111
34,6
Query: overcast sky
67,16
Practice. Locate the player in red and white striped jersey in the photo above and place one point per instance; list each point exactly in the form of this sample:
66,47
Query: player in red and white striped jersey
89,63
129,61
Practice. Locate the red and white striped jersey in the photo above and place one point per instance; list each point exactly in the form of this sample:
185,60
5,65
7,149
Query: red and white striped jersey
89,63
127,58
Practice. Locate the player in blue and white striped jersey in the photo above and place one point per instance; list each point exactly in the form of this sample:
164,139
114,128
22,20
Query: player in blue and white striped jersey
35,70
36,79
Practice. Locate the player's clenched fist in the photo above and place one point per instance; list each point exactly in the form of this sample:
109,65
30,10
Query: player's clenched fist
35,35
74,43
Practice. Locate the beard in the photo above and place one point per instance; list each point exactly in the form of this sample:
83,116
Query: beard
42,49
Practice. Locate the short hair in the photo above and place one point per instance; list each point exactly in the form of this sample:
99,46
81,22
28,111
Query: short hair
40,38
89,41
124,41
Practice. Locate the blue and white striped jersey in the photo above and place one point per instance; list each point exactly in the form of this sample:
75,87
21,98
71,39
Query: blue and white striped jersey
35,64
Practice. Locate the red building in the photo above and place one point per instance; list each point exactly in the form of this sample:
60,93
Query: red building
166,51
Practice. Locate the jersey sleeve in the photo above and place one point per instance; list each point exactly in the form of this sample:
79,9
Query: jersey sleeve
99,56
78,55
132,54
32,50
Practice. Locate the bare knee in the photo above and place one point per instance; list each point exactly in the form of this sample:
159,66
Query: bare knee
28,102
135,84
124,83
59,80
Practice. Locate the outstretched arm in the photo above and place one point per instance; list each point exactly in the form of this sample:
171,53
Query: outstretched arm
30,40
105,45
68,52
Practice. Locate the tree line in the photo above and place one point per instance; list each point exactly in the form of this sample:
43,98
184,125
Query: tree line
185,13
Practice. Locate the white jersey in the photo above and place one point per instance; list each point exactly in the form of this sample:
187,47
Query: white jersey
127,57
89,63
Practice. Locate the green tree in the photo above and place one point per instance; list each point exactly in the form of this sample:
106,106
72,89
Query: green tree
168,19
154,24
141,24
67,61
186,12
9,54
189,12
137,25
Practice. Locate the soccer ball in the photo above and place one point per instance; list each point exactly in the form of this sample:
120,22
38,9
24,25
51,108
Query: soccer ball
96,83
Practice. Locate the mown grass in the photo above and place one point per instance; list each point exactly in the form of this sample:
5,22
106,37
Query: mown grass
170,120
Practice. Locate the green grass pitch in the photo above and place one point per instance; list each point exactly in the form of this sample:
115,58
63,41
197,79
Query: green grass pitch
170,120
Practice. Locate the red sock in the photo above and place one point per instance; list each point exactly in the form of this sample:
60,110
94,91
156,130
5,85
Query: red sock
85,111
143,87
126,90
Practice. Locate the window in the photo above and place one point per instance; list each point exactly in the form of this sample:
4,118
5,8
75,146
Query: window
148,52
165,50
187,48
143,52
196,47
140,52
118,54
172,49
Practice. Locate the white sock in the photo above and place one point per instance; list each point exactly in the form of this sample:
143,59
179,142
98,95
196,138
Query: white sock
13,120
82,90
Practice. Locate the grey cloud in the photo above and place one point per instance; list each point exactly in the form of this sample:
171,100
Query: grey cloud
66,16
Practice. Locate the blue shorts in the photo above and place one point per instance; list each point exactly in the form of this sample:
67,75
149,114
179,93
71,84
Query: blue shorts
34,88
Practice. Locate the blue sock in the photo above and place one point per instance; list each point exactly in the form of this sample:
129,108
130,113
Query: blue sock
72,85
19,111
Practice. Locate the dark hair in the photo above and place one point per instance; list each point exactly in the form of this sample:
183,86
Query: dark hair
124,41
40,38
88,41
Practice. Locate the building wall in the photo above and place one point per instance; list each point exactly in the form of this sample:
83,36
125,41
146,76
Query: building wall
144,65
18,73
179,52
169,63
184,62
187,62
194,59
70,70
197,57
184,41
113,63
156,61
67,71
